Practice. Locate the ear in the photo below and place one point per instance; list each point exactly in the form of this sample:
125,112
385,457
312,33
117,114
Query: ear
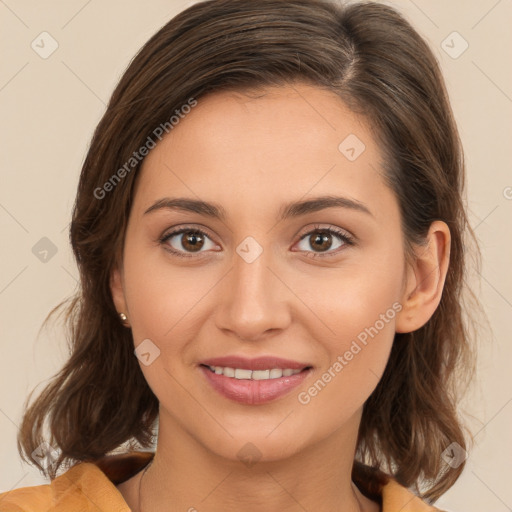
117,290
425,279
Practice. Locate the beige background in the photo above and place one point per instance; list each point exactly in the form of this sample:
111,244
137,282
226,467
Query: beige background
51,106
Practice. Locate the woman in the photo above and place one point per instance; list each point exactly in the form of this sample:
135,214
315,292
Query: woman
269,228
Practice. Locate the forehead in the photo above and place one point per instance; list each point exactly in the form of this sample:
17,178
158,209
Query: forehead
266,146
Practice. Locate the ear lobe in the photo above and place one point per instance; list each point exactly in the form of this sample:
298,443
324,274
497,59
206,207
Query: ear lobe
425,279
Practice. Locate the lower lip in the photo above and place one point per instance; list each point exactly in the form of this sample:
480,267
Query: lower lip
253,392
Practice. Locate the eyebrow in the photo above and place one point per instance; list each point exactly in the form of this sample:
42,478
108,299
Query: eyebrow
289,210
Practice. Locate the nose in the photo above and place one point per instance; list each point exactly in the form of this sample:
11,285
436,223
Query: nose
253,301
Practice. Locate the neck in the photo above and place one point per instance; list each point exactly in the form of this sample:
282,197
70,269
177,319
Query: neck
185,476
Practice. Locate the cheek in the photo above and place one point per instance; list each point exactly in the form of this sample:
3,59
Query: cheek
347,300
160,295
357,308
357,354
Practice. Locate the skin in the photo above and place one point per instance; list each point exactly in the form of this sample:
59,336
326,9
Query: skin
252,155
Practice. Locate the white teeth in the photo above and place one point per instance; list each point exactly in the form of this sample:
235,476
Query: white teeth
260,374
242,373
228,372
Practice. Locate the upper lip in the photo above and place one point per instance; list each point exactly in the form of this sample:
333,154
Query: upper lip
257,363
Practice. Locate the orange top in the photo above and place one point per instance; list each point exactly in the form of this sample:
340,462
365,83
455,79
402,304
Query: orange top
88,487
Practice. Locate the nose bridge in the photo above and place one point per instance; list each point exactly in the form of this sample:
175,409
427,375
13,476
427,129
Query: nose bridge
252,301
250,277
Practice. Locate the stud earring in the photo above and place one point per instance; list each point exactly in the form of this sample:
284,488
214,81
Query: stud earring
124,319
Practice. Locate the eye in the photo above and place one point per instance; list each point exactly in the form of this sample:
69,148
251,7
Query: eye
187,240
321,240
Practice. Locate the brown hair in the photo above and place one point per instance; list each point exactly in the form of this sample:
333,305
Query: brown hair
372,58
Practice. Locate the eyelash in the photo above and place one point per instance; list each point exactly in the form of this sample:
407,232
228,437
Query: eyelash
345,237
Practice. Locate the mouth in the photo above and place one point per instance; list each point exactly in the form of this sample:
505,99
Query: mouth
255,381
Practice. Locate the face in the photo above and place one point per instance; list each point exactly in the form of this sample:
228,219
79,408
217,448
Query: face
320,287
